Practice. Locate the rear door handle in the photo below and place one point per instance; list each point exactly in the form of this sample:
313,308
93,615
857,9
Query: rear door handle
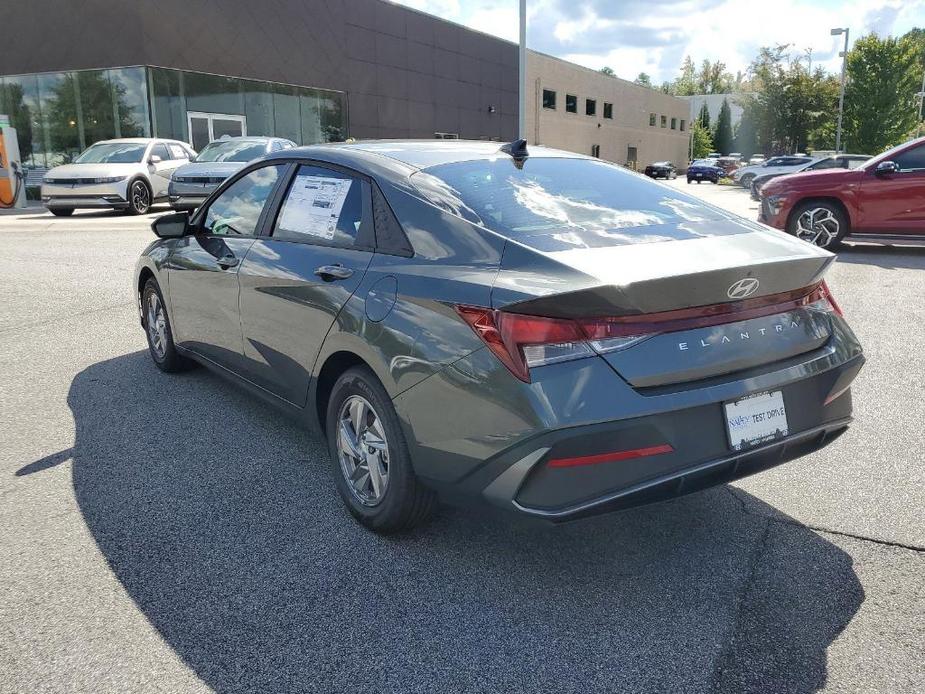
329,273
227,261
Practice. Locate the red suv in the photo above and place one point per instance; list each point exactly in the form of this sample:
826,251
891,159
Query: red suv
880,201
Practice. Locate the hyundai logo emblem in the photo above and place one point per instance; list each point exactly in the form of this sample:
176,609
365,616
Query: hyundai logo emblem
743,288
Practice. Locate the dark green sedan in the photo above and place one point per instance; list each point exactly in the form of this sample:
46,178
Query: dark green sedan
509,324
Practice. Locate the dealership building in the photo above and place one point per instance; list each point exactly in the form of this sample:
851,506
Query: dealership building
73,72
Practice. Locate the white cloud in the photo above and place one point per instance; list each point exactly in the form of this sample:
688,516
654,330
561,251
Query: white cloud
653,36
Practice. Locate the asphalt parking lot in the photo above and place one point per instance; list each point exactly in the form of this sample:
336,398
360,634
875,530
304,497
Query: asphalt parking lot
167,533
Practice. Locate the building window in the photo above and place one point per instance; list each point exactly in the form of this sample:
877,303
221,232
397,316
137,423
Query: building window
590,107
596,151
683,125
571,103
608,110
664,121
549,99
652,119
674,123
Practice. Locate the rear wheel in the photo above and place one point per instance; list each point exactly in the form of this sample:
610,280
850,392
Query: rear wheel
746,180
371,464
139,197
62,211
820,223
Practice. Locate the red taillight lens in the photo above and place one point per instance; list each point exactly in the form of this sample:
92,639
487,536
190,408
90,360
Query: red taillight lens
521,341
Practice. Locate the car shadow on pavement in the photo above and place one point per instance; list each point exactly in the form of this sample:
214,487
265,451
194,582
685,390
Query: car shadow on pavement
220,518
886,257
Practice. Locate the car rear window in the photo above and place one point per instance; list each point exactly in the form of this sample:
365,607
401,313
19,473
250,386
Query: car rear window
556,204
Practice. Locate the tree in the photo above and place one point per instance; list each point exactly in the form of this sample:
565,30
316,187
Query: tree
643,79
702,143
880,102
713,78
686,83
746,137
607,71
704,117
723,135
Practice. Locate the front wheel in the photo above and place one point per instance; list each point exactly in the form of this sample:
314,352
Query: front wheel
372,466
158,331
746,180
819,223
62,211
139,198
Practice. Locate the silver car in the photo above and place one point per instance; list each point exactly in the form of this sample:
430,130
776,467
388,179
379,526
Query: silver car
192,183
128,174
775,165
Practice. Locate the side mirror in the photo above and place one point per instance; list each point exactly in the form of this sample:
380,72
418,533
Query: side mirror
154,159
885,168
171,226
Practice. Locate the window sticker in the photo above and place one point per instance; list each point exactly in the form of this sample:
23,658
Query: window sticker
314,205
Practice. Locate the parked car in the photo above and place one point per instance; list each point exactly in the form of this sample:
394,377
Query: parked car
705,170
841,161
128,174
728,164
661,169
782,165
536,329
192,183
882,201
756,159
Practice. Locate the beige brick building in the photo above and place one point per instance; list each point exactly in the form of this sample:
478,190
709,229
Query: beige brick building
581,110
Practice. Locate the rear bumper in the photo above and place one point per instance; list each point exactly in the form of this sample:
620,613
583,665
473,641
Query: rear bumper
497,447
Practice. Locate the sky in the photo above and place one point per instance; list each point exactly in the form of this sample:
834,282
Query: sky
653,36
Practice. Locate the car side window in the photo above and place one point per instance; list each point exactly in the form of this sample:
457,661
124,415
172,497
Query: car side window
177,152
912,159
160,150
323,206
236,211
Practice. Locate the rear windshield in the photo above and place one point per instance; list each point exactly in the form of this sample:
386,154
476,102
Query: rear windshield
555,204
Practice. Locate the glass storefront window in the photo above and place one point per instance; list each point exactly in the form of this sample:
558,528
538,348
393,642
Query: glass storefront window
58,115
287,117
19,99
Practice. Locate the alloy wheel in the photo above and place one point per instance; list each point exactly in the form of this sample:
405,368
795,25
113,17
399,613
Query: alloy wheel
157,325
819,226
363,450
141,199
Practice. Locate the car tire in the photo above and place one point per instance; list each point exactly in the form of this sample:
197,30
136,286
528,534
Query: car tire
61,211
746,180
688,181
821,223
363,430
139,197
156,323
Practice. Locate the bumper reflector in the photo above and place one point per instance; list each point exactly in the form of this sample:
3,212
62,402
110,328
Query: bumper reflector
611,457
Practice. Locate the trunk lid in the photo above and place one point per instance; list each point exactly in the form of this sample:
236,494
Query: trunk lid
706,276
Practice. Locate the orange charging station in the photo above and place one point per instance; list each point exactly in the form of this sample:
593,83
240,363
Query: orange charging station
12,175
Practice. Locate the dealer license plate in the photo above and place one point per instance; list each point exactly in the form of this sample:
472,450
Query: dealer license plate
756,419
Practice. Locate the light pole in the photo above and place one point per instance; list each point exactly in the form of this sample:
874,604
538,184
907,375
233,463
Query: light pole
522,87
841,95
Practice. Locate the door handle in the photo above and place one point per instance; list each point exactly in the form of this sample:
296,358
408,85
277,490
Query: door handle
227,261
329,273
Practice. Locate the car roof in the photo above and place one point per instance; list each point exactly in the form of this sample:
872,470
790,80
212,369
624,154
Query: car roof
416,154
138,140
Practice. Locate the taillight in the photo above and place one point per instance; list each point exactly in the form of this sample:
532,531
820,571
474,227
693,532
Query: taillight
521,341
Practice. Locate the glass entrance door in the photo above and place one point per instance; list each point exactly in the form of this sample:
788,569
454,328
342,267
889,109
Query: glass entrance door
205,127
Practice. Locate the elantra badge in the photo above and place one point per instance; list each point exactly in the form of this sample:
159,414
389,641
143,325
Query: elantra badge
745,287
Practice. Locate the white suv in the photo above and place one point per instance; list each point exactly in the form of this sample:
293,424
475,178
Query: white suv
774,165
128,174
